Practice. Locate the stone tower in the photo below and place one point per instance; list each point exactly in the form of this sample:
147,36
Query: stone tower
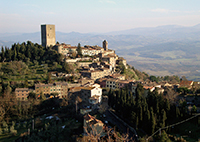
48,35
105,45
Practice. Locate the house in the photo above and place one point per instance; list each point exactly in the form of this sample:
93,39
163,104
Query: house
22,93
102,82
111,83
122,83
58,87
93,95
119,76
147,89
96,73
186,83
92,125
85,80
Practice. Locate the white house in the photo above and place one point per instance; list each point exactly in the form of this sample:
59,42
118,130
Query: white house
92,94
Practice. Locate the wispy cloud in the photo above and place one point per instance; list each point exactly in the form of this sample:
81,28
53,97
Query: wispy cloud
107,1
160,10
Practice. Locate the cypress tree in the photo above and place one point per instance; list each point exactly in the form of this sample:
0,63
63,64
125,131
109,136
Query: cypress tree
177,112
152,121
164,117
1,131
137,122
141,112
167,106
79,50
2,54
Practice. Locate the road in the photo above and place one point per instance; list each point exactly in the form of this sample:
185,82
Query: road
123,129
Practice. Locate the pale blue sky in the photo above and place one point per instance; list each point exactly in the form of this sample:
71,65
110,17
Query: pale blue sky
95,15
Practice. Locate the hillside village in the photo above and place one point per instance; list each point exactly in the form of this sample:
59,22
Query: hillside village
99,76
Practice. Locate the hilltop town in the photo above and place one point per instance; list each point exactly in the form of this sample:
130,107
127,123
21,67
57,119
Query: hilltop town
57,84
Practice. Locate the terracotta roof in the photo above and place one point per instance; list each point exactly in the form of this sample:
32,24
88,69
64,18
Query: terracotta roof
87,88
123,81
92,119
148,87
88,117
112,79
69,47
21,89
185,83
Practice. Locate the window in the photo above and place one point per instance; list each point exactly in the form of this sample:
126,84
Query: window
22,94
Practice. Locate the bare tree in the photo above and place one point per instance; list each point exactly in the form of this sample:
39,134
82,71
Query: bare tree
92,135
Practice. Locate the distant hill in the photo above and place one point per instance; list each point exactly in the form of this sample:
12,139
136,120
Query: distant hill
162,50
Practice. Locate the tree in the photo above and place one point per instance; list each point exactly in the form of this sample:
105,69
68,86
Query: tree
177,112
49,78
2,54
153,78
42,96
194,108
2,113
32,95
1,131
164,117
164,137
12,129
152,119
67,68
121,67
79,50
5,127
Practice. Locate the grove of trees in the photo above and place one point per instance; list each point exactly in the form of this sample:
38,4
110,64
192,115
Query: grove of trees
150,113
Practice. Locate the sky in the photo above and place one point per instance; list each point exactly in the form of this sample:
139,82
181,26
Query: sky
95,16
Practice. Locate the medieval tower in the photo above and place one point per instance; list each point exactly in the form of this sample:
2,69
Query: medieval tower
48,35
105,45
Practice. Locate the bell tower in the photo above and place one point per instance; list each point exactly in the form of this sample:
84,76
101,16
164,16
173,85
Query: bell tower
105,45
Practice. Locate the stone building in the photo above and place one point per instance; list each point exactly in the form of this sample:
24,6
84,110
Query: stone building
59,87
96,74
48,35
22,93
105,45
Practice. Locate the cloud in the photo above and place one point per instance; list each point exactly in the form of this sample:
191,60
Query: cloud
107,1
160,10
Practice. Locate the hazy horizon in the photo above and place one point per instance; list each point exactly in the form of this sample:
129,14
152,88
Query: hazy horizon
95,32
95,16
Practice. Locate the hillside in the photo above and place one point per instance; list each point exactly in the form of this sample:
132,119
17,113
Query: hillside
163,50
